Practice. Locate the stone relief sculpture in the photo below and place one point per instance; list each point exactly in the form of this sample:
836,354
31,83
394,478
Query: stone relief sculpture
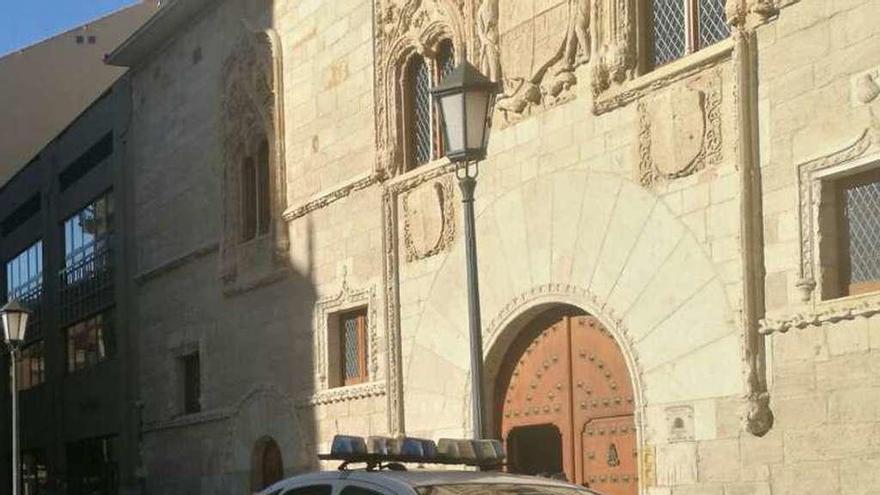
487,32
538,61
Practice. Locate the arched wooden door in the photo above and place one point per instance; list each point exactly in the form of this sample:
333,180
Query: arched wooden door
567,375
267,465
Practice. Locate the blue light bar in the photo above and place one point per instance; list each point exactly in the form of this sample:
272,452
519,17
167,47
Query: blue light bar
348,445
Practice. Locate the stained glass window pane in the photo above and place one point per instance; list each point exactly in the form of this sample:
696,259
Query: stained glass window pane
713,25
351,356
420,113
862,210
669,32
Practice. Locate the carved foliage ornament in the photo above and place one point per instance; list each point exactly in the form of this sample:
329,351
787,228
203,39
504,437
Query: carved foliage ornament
429,220
251,110
680,131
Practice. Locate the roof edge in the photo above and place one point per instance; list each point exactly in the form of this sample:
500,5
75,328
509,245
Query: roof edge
156,31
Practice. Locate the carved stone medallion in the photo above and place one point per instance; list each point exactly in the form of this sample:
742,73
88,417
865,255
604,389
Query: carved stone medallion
677,129
680,131
429,225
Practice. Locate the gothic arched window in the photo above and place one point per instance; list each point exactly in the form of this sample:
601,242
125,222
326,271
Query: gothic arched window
256,208
421,128
680,27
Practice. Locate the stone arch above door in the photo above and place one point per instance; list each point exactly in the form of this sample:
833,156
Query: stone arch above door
602,243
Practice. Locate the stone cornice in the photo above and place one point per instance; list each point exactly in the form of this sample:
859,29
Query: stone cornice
329,196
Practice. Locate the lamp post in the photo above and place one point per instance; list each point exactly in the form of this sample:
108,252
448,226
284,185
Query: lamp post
15,319
465,99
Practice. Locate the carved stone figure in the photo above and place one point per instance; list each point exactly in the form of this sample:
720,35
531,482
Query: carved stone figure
487,31
577,42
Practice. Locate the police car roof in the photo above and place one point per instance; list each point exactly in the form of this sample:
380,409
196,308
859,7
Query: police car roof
417,478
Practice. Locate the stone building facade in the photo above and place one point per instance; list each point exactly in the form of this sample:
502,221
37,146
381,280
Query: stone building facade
673,298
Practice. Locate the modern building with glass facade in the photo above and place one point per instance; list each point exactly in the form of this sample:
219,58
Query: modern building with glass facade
63,256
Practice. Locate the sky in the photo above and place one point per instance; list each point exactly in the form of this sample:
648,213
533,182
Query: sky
25,22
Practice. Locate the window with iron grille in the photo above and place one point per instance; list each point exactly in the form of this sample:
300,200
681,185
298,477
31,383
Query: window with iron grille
680,27
192,383
422,126
353,346
858,211
90,342
31,366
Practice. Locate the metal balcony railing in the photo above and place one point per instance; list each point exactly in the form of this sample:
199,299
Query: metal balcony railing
86,283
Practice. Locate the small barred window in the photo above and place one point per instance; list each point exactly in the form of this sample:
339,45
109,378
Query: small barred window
680,27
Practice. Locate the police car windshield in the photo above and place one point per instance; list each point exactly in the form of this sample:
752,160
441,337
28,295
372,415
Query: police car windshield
498,489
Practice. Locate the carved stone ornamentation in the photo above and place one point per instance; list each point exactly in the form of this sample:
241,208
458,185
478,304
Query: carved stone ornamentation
404,27
251,112
429,220
809,197
537,58
345,299
832,312
679,132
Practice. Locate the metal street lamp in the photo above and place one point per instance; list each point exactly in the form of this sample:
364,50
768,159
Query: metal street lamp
465,98
15,320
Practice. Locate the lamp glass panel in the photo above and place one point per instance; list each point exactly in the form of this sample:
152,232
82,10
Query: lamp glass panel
14,323
453,121
477,107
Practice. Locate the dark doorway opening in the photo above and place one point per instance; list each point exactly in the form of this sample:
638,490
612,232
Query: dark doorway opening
536,450
267,464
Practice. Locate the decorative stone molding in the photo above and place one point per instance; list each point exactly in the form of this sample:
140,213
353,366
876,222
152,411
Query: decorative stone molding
557,293
327,198
404,27
252,109
345,299
680,131
751,13
810,175
429,220
829,312
614,51
235,413
345,394
393,190
220,414
619,95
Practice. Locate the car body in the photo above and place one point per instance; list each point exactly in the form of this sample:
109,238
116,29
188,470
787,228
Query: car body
421,482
